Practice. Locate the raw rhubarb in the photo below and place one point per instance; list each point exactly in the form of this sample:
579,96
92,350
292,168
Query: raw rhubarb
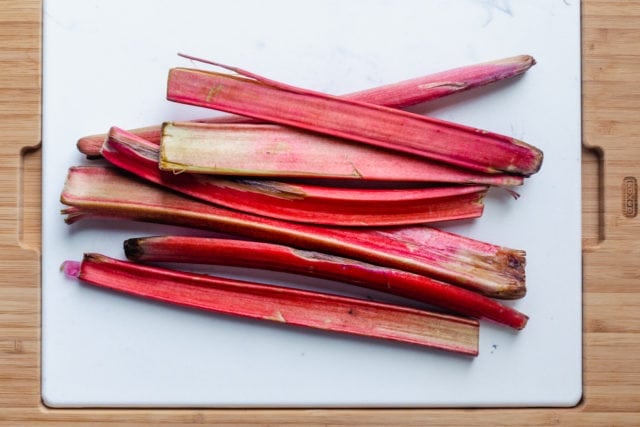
401,94
262,150
269,256
279,304
449,82
264,99
493,270
299,202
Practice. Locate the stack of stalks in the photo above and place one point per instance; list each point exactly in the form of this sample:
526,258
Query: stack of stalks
297,181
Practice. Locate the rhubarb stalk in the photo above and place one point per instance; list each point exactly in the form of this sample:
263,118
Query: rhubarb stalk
263,150
299,202
398,95
445,83
257,97
279,304
268,256
493,270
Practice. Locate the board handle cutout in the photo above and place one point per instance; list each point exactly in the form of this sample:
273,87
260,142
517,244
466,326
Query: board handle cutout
593,221
29,203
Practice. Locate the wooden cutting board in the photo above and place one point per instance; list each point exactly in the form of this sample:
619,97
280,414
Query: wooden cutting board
610,43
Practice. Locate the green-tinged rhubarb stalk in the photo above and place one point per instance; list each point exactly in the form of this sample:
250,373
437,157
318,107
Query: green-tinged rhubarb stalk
264,99
398,95
313,204
280,304
493,270
268,256
262,150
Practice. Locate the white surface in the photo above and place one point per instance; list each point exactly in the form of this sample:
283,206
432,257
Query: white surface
106,62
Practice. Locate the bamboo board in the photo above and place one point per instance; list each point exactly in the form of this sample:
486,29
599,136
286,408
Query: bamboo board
611,387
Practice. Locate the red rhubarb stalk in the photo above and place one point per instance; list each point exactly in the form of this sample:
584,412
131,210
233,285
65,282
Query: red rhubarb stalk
279,304
299,202
275,151
264,99
402,94
268,256
491,269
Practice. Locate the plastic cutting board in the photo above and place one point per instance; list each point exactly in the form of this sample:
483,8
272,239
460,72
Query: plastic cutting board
105,63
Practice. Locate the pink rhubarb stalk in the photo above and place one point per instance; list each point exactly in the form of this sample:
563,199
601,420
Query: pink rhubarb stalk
299,202
493,270
275,151
449,82
257,97
268,256
279,304
398,95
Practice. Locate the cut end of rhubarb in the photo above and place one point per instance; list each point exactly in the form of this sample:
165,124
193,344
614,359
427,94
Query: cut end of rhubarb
510,292
90,146
524,321
71,268
539,158
132,249
535,156
513,262
522,62
529,60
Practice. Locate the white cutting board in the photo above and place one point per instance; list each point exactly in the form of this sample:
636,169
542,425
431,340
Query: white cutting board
105,63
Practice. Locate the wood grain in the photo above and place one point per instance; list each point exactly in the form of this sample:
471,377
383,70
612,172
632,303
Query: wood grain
611,101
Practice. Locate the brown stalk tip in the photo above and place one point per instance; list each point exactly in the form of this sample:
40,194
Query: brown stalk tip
524,61
531,60
132,249
511,293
